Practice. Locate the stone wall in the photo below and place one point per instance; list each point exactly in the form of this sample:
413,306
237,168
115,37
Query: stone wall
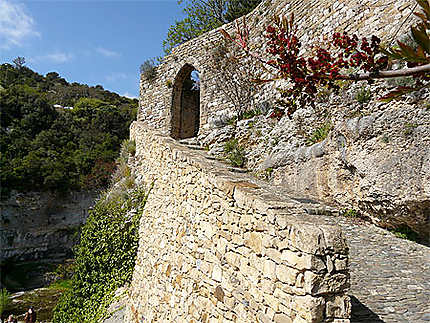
316,20
218,246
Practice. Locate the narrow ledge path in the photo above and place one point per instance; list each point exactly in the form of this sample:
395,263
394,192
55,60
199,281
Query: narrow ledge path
390,276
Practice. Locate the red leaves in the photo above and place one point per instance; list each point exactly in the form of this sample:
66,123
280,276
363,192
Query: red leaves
322,69
333,56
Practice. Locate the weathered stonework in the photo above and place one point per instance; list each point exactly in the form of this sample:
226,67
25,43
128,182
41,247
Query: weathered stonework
376,158
219,246
158,106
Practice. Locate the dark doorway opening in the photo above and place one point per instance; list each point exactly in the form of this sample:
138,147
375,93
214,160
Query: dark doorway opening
185,110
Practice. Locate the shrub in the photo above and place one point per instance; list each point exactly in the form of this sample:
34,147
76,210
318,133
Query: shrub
234,78
319,134
234,153
148,70
105,258
363,95
5,300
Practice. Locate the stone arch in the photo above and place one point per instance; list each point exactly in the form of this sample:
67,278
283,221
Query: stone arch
185,109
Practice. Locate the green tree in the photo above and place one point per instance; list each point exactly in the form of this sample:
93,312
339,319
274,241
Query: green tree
48,148
203,16
19,62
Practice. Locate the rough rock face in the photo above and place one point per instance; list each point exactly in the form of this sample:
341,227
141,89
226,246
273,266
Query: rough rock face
36,225
375,158
379,164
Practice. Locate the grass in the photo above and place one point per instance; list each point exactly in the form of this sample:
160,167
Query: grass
405,232
234,153
19,276
43,300
319,134
5,300
61,285
364,95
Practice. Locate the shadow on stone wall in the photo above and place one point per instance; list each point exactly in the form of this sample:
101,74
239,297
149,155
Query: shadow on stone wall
360,313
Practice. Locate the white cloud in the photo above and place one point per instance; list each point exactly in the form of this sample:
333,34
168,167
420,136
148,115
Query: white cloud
107,53
15,24
129,95
113,77
57,57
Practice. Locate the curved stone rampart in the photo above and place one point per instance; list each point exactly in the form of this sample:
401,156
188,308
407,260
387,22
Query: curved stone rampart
217,245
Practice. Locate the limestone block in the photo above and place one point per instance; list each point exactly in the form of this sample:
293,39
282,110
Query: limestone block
266,286
338,307
282,318
286,274
271,301
217,273
318,284
274,254
269,269
233,259
302,260
309,308
254,241
270,313
341,264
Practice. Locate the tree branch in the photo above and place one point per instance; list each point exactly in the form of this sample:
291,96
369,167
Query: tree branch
387,74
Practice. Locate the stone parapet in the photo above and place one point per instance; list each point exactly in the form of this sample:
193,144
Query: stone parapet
216,245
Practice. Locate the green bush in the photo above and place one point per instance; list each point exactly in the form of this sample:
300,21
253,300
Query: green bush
105,257
319,134
149,70
47,147
5,300
363,95
234,153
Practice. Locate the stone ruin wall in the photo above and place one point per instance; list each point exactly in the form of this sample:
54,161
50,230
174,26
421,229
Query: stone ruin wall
316,20
219,246
368,162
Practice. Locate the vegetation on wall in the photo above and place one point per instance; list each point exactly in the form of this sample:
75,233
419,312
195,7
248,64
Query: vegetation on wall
56,135
106,254
5,299
203,16
234,77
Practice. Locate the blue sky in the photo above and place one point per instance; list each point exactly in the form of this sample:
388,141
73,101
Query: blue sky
92,42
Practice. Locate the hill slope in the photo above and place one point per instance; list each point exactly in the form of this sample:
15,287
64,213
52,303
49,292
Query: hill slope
58,136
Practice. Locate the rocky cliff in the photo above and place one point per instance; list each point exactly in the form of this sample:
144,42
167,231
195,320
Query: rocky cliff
36,225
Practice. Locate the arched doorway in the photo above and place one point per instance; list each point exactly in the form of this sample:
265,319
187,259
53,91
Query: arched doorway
185,111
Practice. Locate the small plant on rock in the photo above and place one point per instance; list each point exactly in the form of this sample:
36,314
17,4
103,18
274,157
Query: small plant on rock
363,95
148,70
319,134
409,129
405,232
234,153
350,213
